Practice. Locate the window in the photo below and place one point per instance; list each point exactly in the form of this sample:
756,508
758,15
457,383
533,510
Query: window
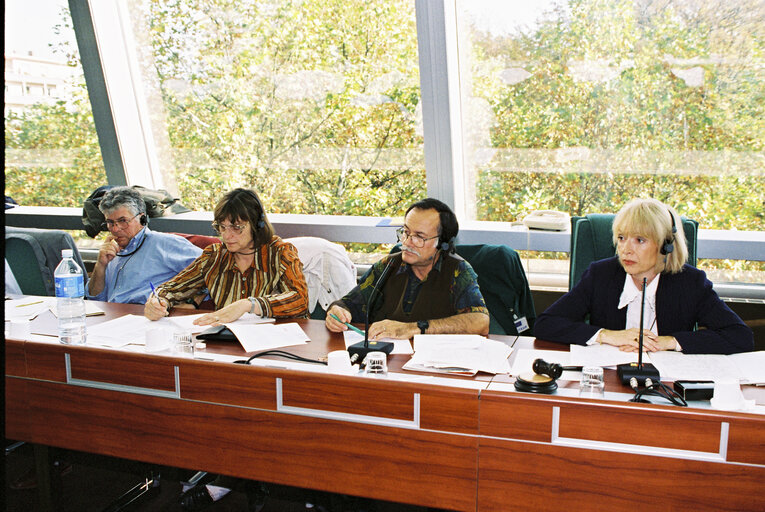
52,157
580,105
313,103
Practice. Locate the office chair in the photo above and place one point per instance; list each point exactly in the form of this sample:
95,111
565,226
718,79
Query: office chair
503,284
592,240
27,261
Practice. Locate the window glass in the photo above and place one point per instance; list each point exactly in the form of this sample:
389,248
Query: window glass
52,156
314,104
580,105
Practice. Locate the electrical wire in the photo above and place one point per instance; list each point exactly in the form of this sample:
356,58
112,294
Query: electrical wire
280,353
656,389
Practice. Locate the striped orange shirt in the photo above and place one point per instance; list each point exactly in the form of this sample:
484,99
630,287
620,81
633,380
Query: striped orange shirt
275,279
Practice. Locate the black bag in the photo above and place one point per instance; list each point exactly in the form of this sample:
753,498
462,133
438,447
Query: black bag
159,203
217,333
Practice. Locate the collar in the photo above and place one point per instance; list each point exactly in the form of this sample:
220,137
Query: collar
230,260
630,292
135,241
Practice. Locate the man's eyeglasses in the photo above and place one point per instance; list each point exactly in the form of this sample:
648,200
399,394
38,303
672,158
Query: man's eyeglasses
222,228
120,223
416,240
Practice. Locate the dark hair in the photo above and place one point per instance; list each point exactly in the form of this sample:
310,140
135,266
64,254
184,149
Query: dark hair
448,225
244,204
117,197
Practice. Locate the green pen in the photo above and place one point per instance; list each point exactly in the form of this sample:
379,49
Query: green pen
346,323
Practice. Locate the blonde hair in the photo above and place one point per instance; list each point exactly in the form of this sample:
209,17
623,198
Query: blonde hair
651,218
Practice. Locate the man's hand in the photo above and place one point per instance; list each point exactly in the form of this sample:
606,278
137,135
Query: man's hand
343,314
393,329
108,250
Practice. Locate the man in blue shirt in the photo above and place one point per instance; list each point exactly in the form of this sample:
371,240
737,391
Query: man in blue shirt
132,256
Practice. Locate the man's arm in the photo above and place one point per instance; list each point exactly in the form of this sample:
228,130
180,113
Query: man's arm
106,253
462,323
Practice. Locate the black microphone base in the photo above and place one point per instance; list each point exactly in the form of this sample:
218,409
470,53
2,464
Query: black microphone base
625,372
358,351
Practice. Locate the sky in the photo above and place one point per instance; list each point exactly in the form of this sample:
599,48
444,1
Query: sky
29,25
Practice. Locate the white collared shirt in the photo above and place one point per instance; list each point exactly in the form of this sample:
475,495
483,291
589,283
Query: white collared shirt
631,298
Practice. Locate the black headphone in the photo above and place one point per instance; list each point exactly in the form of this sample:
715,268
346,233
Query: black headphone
144,220
669,243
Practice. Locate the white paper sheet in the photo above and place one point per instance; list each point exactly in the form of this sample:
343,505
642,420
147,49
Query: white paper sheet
399,346
186,321
128,330
455,352
601,355
28,307
748,367
262,336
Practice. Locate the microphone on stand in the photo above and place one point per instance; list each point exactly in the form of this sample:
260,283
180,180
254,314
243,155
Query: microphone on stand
358,351
638,371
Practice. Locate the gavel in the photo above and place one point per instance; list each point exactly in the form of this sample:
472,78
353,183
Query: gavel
553,370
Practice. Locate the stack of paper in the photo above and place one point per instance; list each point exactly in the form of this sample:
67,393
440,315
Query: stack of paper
747,367
456,353
27,308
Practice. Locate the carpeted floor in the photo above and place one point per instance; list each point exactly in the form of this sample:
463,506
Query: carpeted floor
95,482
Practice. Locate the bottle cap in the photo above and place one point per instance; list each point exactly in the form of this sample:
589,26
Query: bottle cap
66,253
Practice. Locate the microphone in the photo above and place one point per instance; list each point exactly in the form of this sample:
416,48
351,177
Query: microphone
638,370
554,370
358,351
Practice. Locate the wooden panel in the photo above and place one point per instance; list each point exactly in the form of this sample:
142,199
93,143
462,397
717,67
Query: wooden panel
455,410
515,417
46,361
641,426
16,414
356,395
410,466
123,368
530,476
15,362
746,440
233,384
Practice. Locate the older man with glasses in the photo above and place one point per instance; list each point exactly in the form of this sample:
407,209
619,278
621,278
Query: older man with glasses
132,258
426,288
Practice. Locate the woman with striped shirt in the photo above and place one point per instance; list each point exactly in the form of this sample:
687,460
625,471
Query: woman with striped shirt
252,270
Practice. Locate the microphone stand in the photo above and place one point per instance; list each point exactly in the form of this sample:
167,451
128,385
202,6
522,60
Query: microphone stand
638,370
358,351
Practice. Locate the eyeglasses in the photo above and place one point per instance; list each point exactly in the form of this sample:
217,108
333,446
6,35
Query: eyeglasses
120,223
416,240
222,228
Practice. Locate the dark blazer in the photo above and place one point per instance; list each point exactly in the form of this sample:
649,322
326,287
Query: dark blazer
682,300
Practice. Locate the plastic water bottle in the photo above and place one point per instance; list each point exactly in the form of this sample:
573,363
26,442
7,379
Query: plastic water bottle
70,293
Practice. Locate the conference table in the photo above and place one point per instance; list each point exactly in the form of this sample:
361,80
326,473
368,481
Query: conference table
458,443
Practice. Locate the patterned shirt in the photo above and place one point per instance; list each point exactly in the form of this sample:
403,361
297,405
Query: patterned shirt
275,279
464,292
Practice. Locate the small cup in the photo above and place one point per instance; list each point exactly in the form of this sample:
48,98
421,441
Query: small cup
19,328
592,385
727,395
339,361
157,339
376,364
182,344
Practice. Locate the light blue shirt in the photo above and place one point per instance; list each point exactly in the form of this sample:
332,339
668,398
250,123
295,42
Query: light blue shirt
150,257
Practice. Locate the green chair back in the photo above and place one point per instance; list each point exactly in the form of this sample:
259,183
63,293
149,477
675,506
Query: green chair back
592,240
24,256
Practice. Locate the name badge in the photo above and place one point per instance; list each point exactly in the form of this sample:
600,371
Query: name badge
521,324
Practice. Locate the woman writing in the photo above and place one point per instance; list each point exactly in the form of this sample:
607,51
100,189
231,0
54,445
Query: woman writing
650,248
252,271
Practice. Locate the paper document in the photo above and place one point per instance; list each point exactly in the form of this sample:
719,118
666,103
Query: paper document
262,336
456,353
27,308
128,330
91,309
747,367
524,361
399,346
601,355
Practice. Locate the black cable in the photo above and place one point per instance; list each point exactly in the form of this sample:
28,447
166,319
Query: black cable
280,353
659,390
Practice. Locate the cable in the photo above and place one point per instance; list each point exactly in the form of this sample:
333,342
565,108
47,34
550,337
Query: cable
656,389
280,353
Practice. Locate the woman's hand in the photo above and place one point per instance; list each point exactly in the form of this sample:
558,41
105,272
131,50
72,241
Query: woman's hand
628,340
227,314
343,314
154,309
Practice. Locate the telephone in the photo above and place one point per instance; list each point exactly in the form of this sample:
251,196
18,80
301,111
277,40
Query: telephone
547,219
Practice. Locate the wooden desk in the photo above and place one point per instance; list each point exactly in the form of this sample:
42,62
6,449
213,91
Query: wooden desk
462,444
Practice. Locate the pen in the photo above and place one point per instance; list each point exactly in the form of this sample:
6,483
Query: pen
346,323
38,302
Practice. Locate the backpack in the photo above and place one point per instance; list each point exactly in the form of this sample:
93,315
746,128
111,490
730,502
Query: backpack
159,203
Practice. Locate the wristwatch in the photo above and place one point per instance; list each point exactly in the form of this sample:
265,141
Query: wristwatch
252,305
423,325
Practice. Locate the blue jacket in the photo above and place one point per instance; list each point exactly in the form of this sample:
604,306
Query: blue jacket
682,300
